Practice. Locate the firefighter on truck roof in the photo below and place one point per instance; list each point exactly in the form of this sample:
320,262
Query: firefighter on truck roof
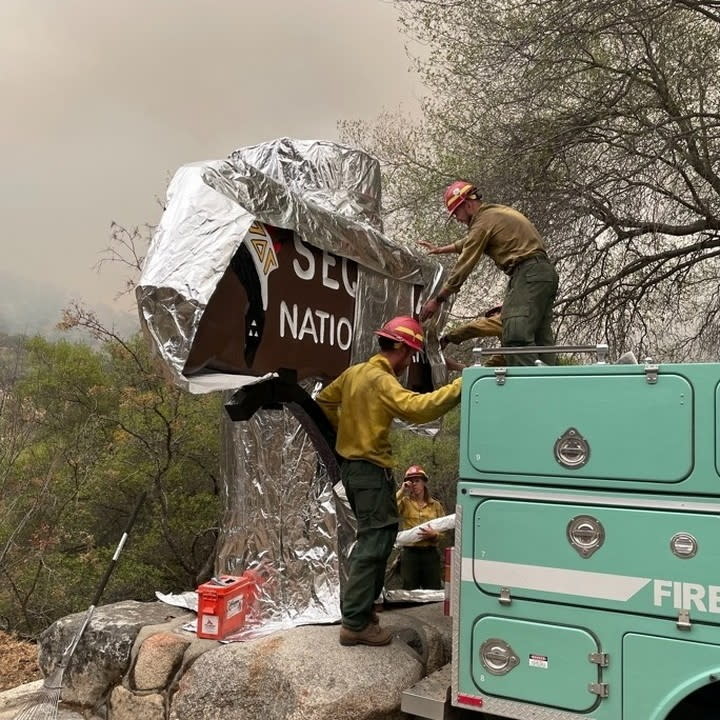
515,245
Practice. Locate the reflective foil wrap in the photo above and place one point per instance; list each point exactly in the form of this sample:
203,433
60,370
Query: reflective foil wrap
326,193
279,243
280,520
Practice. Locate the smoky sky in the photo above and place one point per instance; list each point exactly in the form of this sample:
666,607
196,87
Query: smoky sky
102,101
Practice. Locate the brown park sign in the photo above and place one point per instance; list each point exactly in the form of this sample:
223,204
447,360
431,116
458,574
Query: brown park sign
283,304
280,304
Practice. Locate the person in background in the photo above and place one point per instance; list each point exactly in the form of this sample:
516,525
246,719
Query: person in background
361,405
489,325
420,565
514,244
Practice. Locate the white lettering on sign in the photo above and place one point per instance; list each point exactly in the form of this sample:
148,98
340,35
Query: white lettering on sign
344,333
328,261
321,327
307,272
687,596
350,287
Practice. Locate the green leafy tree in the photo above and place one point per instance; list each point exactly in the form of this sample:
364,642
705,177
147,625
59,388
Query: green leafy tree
100,425
84,430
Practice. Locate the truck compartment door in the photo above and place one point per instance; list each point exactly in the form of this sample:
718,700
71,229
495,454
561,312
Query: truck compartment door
536,663
634,560
561,429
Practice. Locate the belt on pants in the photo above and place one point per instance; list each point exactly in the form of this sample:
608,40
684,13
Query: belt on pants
510,268
415,548
387,472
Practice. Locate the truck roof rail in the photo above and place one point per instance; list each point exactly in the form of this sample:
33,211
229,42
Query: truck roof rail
601,350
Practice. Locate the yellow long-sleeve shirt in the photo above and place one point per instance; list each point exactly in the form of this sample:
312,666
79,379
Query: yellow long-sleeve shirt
412,515
499,231
363,401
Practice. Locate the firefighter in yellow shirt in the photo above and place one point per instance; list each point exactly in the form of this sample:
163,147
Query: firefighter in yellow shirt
419,562
361,404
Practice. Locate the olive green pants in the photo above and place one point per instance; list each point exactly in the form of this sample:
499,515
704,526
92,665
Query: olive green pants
420,568
527,309
370,491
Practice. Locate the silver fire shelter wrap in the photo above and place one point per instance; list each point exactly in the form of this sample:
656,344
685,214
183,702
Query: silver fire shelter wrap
327,193
280,511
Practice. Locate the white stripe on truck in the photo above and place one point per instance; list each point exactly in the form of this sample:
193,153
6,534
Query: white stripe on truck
581,583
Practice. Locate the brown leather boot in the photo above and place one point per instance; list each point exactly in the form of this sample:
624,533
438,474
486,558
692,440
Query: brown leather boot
372,635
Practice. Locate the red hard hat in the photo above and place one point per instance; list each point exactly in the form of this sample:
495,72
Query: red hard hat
415,471
404,329
457,193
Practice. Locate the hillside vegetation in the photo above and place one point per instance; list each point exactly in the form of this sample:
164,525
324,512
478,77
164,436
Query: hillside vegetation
83,431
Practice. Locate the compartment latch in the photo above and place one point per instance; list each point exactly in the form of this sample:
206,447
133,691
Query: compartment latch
500,375
600,689
505,598
683,620
651,373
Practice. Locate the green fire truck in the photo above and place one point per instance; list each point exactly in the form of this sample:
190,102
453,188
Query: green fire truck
586,568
